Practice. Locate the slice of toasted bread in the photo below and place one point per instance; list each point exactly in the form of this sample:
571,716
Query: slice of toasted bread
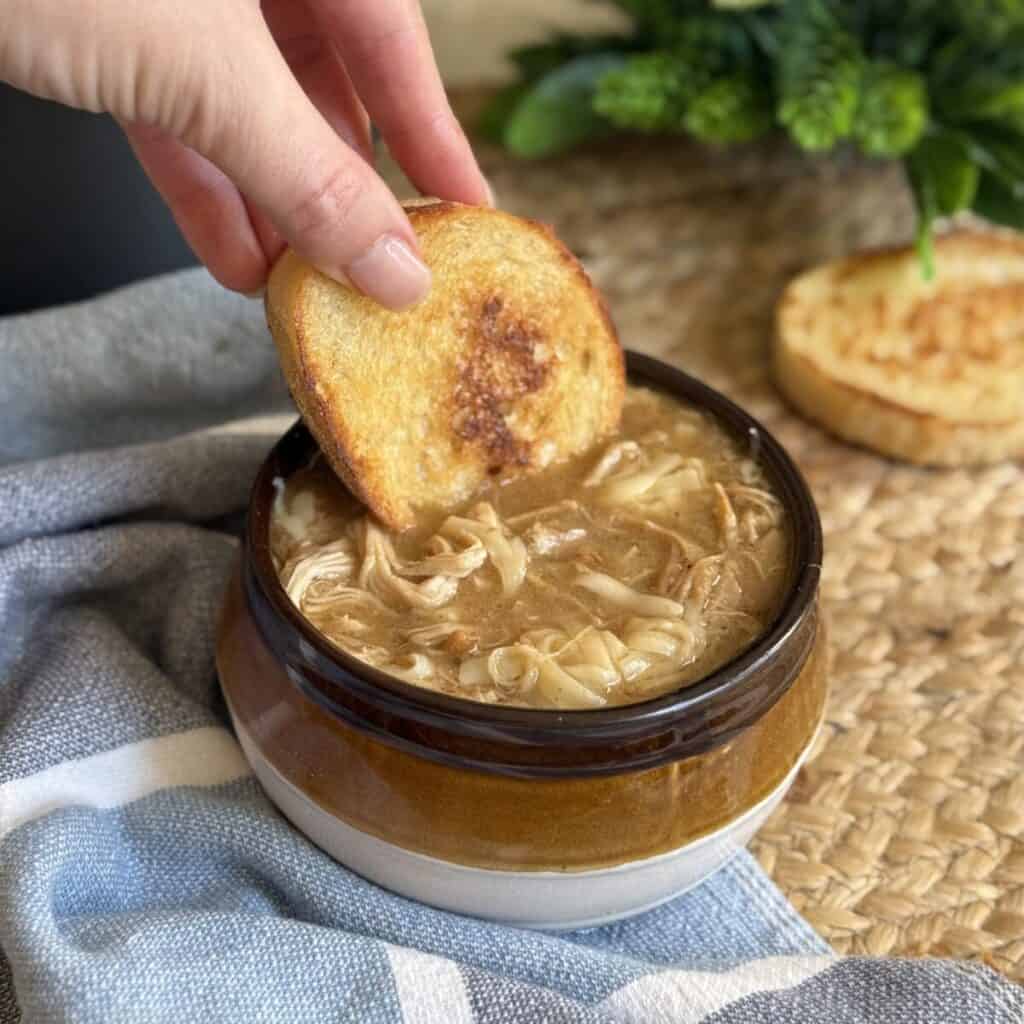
931,371
510,363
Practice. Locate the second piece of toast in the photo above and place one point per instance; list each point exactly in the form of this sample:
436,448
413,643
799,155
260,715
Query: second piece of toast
931,371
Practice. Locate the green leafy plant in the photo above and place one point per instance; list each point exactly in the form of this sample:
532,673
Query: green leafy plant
938,84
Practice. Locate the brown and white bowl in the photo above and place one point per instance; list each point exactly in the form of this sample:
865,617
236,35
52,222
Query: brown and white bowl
539,818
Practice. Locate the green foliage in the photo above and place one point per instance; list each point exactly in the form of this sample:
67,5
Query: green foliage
973,81
648,94
938,83
923,183
653,92
944,158
712,40
820,66
892,112
539,59
998,149
536,61
499,110
558,113
998,203
904,32
735,108
660,19
988,20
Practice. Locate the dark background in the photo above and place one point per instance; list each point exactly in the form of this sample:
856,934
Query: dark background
77,215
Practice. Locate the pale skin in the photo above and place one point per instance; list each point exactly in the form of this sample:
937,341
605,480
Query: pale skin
252,120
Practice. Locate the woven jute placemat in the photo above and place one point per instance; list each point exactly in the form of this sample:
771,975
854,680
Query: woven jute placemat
905,832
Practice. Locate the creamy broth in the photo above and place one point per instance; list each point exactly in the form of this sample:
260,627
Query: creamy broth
608,579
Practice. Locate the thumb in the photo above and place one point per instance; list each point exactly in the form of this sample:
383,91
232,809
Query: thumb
249,116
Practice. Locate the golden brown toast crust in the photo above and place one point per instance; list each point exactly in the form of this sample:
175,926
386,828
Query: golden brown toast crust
931,372
510,362
312,404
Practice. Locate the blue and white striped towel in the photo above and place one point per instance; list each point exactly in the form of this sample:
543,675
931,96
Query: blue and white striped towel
143,875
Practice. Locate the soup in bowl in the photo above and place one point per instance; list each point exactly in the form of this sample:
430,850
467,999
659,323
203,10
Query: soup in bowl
560,704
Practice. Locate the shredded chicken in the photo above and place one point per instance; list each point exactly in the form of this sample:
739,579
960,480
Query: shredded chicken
333,561
690,549
542,540
695,589
611,458
545,512
381,574
431,636
507,552
295,514
726,516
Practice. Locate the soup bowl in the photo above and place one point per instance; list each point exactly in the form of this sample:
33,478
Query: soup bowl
538,818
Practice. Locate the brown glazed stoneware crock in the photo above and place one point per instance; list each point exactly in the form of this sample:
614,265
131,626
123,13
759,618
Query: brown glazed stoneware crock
517,789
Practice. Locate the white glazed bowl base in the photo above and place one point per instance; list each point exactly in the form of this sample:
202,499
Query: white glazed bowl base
550,900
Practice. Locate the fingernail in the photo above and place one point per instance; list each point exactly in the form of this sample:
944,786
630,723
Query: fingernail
492,199
390,272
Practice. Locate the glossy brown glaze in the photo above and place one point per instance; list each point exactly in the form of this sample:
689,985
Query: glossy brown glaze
496,820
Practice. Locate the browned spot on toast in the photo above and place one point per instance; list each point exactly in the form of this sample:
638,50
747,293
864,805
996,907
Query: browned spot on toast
508,359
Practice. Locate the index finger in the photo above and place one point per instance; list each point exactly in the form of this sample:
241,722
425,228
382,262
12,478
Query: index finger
387,52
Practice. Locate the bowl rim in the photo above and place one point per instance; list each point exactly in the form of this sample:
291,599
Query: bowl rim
648,732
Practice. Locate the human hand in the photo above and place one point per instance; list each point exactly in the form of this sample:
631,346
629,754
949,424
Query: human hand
252,120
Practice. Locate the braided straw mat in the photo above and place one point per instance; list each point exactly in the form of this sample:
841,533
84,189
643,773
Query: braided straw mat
905,832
